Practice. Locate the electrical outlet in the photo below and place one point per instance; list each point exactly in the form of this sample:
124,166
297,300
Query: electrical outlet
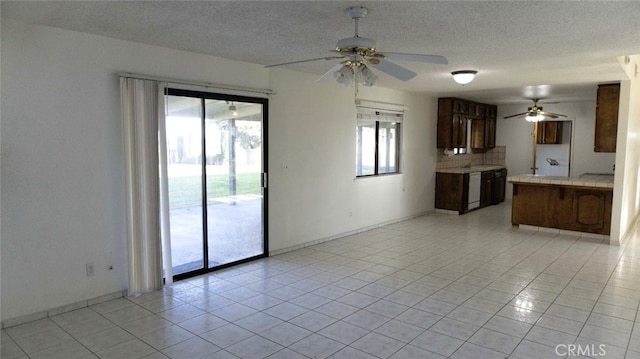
91,269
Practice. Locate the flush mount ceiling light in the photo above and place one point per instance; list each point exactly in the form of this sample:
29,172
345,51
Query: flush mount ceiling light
463,77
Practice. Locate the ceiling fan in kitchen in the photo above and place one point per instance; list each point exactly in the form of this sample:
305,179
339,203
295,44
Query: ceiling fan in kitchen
358,55
535,113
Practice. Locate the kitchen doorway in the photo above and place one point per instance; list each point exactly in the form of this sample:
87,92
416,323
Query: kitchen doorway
552,148
216,154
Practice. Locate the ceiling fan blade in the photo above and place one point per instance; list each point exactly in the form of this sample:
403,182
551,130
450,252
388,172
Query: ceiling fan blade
330,75
551,114
308,60
429,59
517,115
397,71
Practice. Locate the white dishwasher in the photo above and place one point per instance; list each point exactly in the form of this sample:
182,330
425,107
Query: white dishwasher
474,189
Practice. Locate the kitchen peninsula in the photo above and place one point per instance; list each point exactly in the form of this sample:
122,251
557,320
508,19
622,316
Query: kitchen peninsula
581,204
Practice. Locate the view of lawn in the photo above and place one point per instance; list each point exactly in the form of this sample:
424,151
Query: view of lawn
185,191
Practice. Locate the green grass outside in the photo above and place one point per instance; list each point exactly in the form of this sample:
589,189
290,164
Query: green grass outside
187,191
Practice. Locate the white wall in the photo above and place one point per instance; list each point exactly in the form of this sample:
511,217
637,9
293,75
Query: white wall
517,136
62,170
626,193
313,133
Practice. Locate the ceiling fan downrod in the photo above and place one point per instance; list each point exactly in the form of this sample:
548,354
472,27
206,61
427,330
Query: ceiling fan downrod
357,13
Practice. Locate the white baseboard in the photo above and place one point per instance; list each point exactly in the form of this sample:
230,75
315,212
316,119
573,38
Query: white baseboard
59,310
345,234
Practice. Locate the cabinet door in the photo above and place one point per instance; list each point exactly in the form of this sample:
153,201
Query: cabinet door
553,132
460,106
500,188
607,118
478,134
549,132
490,133
486,191
459,136
451,191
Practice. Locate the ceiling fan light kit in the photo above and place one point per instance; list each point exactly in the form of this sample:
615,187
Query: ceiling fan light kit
463,77
359,56
534,118
535,113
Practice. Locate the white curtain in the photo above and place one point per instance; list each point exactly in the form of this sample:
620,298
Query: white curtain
141,108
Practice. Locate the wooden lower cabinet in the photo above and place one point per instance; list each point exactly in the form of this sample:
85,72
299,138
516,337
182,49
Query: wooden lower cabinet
487,188
452,191
574,208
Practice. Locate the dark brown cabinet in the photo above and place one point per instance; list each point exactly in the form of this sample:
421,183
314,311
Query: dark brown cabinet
483,130
452,123
607,118
573,208
500,186
487,188
452,191
549,133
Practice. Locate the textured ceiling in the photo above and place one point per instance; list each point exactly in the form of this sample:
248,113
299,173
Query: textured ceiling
513,44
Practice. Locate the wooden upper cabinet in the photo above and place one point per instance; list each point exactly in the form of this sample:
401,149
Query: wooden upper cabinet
453,114
483,130
549,133
607,118
459,106
476,110
452,123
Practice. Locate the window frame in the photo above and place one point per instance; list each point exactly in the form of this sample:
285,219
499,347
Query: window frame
377,121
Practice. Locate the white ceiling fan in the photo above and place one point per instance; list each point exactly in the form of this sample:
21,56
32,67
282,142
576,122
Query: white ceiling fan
535,113
358,53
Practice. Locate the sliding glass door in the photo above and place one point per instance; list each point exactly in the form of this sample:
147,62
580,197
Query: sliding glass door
216,153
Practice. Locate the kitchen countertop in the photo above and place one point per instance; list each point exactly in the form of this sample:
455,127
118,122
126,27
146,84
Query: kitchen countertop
463,170
584,180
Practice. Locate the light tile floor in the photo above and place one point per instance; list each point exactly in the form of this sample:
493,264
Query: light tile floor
437,286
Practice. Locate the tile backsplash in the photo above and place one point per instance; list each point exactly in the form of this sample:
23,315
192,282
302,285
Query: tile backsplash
495,157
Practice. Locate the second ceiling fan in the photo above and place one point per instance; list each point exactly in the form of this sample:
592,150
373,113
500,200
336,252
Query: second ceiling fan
535,113
358,53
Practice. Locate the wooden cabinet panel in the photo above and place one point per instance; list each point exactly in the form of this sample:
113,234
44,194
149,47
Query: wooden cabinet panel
459,106
500,187
453,114
490,133
589,208
486,188
478,134
549,132
483,134
607,118
476,110
563,207
452,123
452,191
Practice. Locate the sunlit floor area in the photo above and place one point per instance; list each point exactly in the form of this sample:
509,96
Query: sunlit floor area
234,230
437,286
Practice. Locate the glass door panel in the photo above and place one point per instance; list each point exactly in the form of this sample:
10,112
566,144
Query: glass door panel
216,156
234,176
184,157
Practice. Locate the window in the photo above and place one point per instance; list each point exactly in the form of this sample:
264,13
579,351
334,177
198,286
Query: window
378,142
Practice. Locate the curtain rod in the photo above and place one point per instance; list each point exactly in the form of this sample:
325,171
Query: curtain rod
196,83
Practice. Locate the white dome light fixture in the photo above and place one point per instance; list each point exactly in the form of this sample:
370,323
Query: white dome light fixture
463,77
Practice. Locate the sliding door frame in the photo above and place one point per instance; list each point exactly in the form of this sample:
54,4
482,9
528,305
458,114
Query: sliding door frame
265,120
